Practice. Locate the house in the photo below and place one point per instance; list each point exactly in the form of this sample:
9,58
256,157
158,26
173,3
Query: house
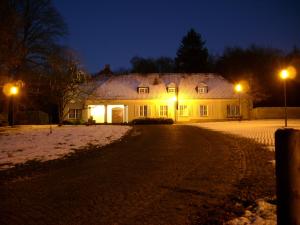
182,97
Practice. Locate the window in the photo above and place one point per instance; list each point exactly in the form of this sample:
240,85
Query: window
202,90
233,111
163,111
183,110
203,110
143,90
171,89
75,113
143,111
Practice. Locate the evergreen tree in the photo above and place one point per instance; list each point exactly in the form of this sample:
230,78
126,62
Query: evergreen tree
192,55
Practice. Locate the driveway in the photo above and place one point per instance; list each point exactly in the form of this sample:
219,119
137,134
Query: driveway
157,175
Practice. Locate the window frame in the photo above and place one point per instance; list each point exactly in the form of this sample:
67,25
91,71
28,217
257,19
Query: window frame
144,112
163,111
183,110
203,110
171,89
233,111
143,90
203,90
77,114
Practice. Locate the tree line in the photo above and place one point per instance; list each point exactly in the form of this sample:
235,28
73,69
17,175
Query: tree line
258,66
31,51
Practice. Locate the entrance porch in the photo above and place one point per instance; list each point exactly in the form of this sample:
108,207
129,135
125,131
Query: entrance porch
108,113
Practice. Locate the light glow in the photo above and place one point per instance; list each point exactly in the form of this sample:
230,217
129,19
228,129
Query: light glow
173,99
10,89
292,72
284,74
97,112
238,88
14,90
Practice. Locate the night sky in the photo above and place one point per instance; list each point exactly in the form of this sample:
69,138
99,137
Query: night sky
112,32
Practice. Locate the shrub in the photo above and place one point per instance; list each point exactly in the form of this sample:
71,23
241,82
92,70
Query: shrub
72,122
153,121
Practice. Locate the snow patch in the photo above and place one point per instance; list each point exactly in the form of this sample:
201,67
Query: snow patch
261,131
263,213
24,143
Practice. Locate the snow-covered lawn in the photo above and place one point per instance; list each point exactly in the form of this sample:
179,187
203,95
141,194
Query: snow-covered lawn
24,143
261,131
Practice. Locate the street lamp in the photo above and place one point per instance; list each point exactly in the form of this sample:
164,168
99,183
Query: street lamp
13,91
239,88
284,75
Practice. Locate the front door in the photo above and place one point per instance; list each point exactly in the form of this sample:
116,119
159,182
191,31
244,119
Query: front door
117,115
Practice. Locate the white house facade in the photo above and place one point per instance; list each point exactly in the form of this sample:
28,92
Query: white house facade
181,97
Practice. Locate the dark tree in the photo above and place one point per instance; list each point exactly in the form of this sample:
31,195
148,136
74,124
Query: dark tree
165,65
152,65
142,65
192,55
28,31
106,70
256,65
65,80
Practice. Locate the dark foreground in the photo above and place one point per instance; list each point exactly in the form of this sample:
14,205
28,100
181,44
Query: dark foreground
157,175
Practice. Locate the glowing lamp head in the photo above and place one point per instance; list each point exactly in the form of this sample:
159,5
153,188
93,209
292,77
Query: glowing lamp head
14,90
238,88
284,74
174,99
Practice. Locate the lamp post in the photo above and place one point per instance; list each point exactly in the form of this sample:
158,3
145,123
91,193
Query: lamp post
13,91
175,103
239,88
284,75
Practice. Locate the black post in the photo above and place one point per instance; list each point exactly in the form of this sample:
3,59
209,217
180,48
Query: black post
11,111
240,108
285,109
287,155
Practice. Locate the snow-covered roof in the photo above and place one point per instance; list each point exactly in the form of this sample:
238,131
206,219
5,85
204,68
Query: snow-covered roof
125,86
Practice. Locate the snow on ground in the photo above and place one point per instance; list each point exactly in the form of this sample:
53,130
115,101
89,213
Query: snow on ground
24,143
261,131
263,213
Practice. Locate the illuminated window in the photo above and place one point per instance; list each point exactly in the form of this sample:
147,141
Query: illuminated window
171,89
203,110
183,110
75,113
163,111
202,90
233,110
143,90
143,111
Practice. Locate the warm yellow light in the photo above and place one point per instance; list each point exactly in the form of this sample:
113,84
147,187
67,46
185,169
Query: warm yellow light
98,113
238,88
292,72
174,99
14,90
284,74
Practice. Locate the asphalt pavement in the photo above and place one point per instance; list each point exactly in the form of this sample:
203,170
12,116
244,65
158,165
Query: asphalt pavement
160,174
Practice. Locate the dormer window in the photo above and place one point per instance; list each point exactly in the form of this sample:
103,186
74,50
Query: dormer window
202,88
143,90
171,89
